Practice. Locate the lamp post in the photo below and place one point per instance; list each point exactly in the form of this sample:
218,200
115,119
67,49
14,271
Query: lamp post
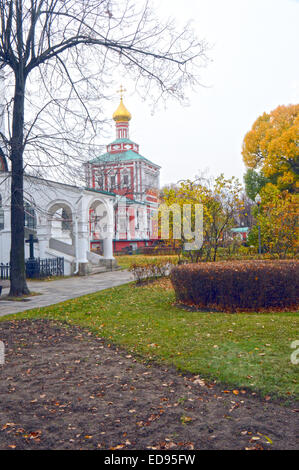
258,201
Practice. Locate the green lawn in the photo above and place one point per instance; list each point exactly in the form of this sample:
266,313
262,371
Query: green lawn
126,261
240,350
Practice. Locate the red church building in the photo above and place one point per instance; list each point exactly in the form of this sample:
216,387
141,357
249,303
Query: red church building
134,181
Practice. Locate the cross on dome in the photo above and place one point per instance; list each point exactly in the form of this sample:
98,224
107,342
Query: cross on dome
122,90
122,114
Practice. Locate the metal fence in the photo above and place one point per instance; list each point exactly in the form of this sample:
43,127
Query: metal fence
37,268
40,268
4,271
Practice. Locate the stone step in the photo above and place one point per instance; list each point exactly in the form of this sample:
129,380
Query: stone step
97,269
102,269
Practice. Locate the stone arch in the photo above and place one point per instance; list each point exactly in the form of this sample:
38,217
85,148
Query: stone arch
60,221
98,218
53,206
101,226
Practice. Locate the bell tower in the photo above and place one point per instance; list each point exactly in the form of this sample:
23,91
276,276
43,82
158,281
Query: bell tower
122,117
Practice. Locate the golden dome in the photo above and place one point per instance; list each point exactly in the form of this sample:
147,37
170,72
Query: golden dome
122,114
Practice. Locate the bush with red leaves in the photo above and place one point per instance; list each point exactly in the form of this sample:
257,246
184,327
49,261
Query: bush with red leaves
238,285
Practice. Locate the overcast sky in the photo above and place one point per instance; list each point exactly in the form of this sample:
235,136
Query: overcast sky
254,68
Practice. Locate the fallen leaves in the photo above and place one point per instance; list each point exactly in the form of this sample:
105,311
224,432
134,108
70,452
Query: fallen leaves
118,447
155,398
256,447
198,381
170,445
186,419
269,441
7,425
33,435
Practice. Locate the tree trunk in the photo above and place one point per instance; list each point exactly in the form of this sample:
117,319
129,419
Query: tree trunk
215,253
18,285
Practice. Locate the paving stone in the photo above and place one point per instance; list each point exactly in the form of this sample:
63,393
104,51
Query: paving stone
53,292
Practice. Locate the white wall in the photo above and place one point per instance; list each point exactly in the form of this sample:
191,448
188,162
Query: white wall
44,195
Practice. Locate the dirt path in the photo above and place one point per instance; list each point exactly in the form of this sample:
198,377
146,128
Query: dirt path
62,388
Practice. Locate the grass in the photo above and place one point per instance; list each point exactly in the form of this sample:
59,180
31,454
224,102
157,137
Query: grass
19,299
240,350
126,261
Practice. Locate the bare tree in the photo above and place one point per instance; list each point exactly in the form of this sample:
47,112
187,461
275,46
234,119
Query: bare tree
58,57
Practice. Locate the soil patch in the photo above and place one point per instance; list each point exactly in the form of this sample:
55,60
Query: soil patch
63,388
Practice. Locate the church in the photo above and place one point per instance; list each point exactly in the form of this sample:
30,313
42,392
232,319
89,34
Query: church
112,213
134,180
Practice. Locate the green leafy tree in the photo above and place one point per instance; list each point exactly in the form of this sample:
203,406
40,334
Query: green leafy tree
254,182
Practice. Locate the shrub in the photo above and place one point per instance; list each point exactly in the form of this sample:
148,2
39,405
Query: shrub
154,270
233,286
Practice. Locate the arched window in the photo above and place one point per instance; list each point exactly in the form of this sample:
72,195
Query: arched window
66,223
1,214
125,179
101,182
112,182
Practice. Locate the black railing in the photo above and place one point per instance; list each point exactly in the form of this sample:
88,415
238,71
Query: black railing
37,268
40,268
4,271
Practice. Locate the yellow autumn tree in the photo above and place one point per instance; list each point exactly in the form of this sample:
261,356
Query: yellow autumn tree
221,201
278,221
272,147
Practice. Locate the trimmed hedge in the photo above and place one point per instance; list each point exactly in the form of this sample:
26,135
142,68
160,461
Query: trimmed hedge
233,286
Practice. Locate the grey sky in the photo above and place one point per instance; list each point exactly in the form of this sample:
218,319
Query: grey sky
255,68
